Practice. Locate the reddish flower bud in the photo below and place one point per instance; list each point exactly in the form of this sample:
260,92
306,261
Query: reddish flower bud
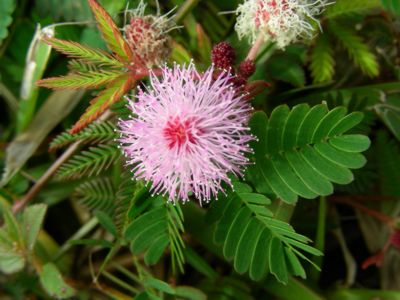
147,35
223,55
247,68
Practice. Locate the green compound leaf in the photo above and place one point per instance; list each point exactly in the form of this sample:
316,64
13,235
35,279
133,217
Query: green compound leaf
107,97
6,9
90,162
87,80
255,241
83,53
358,51
303,151
97,195
322,61
54,284
95,133
342,8
152,232
110,32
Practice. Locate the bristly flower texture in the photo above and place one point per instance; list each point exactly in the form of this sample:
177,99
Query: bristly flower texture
147,35
187,133
281,21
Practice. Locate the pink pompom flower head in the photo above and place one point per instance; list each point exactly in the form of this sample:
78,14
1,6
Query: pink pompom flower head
187,133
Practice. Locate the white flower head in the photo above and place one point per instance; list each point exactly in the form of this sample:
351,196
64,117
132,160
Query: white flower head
282,21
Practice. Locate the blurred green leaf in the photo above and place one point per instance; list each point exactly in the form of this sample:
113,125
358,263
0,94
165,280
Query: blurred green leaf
55,109
340,8
54,284
159,285
36,62
322,60
106,222
191,293
12,256
6,9
392,5
389,113
285,68
32,220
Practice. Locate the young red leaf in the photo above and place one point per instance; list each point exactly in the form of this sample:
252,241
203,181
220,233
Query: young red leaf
104,100
89,80
84,53
376,259
111,33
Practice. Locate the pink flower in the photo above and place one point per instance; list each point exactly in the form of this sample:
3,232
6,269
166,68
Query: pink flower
187,133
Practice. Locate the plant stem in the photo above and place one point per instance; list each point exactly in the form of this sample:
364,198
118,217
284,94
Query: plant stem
319,238
255,48
53,168
9,97
85,229
389,221
39,184
282,211
120,282
185,9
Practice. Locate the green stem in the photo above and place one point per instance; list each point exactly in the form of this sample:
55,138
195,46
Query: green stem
319,238
84,230
129,274
9,98
199,229
282,211
184,9
121,283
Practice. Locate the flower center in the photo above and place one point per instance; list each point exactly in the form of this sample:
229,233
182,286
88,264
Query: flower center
179,133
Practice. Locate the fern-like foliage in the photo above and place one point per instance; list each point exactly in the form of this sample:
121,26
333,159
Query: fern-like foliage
359,52
322,61
345,7
84,53
110,32
116,77
152,232
113,92
88,80
97,195
130,201
301,152
79,66
90,162
254,240
93,134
